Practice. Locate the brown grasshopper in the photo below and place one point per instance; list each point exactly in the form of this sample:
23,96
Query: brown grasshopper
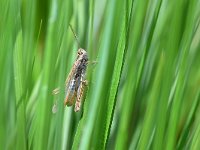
75,82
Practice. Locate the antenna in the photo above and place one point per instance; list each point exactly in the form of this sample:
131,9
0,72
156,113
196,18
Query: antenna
74,35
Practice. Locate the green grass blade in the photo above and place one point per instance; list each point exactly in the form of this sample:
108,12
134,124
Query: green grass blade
20,92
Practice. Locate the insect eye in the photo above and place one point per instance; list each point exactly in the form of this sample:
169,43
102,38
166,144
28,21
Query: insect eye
80,52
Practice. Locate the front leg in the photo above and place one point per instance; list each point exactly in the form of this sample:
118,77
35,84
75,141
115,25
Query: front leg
85,82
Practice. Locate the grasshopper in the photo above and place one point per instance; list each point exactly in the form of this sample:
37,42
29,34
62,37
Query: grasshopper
75,82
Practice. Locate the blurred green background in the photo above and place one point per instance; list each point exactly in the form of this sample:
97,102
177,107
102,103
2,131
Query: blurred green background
143,92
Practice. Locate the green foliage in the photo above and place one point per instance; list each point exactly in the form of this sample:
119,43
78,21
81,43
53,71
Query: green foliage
143,92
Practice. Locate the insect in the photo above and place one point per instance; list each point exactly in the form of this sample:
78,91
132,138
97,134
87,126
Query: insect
75,82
